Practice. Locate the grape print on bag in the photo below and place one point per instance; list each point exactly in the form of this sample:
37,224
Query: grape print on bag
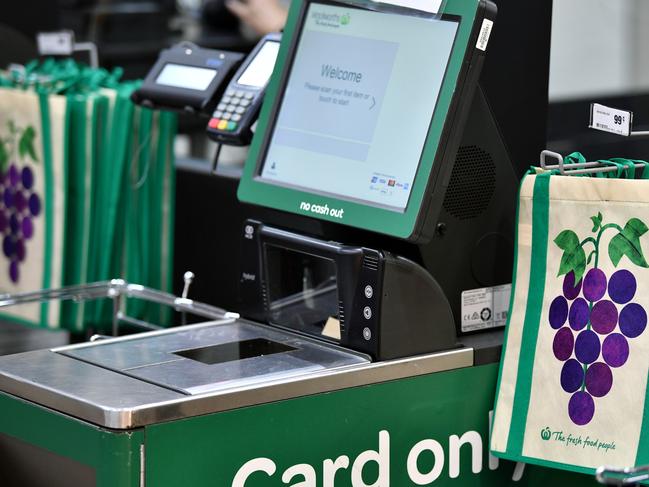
19,203
595,317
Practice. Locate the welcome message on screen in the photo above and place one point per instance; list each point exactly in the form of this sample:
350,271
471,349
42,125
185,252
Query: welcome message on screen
335,93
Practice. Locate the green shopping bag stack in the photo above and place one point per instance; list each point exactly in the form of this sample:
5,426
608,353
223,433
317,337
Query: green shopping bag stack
108,182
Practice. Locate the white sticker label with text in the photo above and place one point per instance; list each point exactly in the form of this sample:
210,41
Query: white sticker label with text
610,119
485,34
55,43
485,308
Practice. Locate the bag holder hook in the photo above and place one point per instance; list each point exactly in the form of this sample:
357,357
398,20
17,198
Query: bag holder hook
576,168
622,476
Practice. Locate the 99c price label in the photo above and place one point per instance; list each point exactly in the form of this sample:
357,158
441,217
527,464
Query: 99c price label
610,120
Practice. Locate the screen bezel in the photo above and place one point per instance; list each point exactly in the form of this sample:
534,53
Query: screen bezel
403,224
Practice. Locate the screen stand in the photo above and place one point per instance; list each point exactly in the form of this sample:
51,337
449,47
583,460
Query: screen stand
474,242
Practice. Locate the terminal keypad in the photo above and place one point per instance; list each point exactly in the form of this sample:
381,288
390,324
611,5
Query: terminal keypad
231,110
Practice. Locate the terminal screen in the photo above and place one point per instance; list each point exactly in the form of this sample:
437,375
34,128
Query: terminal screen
259,70
358,104
190,77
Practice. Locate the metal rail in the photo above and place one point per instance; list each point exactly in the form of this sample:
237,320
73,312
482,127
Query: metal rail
118,290
622,476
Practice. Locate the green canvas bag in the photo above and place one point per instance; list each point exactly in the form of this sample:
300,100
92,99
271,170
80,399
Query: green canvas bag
572,390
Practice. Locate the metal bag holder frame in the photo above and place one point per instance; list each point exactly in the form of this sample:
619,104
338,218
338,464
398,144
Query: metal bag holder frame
622,476
577,168
119,290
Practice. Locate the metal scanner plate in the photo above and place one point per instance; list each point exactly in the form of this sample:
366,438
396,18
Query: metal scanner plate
162,360
115,399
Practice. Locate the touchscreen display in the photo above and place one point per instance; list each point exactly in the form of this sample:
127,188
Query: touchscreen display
190,77
259,70
358,104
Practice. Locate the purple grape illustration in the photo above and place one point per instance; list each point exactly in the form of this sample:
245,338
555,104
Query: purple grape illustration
572,375
594,318
19,204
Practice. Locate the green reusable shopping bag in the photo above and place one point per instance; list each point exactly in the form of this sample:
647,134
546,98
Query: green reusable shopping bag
134,208
148,229
32,207
83,136
572,390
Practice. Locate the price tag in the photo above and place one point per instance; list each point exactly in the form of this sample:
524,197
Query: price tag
611,120
55,43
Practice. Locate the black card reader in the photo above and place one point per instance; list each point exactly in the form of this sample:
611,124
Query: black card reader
187,77
238,109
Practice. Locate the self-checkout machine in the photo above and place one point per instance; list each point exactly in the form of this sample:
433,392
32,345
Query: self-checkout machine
350,367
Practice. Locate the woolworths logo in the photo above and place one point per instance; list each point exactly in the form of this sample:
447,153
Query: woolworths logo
331,20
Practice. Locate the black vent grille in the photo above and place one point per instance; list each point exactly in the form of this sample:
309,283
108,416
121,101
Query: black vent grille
341,313
264,295
472,184
370,262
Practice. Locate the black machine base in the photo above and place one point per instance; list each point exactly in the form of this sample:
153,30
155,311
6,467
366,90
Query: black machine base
362,299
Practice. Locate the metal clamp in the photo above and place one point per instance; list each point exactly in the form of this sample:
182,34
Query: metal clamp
622,476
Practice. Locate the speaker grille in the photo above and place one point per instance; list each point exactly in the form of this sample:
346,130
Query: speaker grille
371,263
472,184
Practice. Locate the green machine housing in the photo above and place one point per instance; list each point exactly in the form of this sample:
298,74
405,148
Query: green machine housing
417,222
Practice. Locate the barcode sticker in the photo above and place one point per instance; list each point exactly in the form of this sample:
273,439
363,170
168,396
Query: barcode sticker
610,120
485,34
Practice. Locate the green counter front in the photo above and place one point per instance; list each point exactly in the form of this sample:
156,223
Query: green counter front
426,430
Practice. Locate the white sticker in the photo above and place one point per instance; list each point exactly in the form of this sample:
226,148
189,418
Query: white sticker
55,43
485,34
611,120
430,6
485,308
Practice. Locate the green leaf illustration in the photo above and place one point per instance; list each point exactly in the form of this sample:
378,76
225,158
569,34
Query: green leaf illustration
627,242
597,222
4,156
574,257
26,143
